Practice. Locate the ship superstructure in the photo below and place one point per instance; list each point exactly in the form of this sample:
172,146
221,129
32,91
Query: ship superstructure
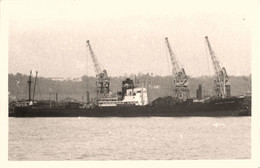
129,96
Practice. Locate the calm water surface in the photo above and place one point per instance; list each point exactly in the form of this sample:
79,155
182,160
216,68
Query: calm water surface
129,138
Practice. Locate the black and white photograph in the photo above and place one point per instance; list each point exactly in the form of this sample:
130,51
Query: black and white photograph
129,81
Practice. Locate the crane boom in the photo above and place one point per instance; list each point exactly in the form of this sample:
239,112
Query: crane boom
98,69
175,65
180,78
214,59
177,71
222,87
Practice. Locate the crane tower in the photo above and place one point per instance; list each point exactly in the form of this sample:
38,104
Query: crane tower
222,86
102,79
180,79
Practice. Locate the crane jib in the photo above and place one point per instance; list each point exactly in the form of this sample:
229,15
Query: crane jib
222,88
102,79
180,79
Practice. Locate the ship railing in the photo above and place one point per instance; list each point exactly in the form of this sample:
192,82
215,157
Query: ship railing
116,102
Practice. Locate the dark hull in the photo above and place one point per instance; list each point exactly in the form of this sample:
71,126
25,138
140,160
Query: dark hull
216,108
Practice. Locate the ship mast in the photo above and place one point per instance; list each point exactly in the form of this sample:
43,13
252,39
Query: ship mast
222,87
30,83
102,79
180,79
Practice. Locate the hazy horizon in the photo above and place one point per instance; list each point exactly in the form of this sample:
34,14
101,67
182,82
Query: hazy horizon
124,75
127,37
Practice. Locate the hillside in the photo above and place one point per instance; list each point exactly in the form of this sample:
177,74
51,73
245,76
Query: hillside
157,86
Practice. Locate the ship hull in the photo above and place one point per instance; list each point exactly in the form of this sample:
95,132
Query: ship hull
217,108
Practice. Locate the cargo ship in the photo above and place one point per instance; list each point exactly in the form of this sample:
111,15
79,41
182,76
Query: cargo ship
132,101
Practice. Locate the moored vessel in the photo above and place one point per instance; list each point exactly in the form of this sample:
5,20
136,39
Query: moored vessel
133,102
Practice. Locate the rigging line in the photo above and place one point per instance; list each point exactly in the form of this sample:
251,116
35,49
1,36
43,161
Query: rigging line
170,72
87,67
178,61
102,68
166,53
39,90
206,49
26,88
100,64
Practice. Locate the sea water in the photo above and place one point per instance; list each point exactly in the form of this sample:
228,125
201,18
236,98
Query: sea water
141,138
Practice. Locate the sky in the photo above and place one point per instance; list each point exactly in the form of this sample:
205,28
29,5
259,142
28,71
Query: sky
128,37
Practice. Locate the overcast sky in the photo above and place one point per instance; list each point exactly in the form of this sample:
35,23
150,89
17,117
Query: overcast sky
127,37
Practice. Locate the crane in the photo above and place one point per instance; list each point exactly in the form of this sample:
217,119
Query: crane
180,78
102,79
222,86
